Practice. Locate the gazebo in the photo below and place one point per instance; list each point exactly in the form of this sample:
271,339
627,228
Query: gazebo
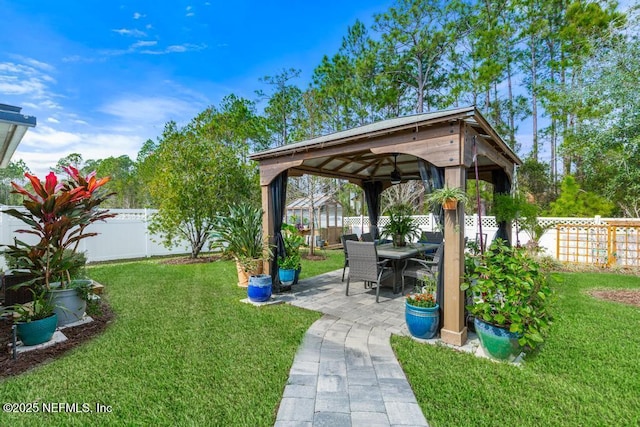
439,148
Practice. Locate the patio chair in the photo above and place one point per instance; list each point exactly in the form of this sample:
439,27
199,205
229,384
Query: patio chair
367,237
431,237
364,265
413,267
344,238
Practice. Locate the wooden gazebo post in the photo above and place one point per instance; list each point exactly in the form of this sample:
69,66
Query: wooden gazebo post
454,330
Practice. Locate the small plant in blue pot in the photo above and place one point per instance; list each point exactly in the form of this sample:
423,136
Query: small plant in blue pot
35,321
287,267
422,312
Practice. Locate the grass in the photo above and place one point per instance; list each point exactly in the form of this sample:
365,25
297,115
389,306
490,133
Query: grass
182,351
585,375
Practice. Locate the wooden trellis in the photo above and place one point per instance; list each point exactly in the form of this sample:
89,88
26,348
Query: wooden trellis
615,243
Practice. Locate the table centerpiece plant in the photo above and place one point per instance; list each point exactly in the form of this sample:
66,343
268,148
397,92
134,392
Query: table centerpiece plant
401,225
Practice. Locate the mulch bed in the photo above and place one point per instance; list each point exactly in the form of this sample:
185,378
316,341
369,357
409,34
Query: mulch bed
75,336
199,260
631,297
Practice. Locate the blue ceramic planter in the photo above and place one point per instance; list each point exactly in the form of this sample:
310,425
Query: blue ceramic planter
287,277
259,289
498,342
422,322
37,331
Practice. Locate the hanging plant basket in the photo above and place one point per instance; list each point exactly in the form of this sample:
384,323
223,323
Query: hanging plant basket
450,204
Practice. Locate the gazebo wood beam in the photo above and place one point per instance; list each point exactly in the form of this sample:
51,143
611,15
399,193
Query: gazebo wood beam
302,169
364,145
269,170
442,151
484,148
501,146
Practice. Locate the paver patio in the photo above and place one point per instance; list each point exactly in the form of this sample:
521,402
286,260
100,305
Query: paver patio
345,373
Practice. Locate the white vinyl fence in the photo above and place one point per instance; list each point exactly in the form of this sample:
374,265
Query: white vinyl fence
124,237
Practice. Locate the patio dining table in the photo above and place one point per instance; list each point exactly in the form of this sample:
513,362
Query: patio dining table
401,253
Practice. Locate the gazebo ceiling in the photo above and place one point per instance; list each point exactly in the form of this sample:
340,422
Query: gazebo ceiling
366,153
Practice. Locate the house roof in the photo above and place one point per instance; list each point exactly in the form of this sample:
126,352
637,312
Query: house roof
13,126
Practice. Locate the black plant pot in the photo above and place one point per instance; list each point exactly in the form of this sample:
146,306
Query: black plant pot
20,295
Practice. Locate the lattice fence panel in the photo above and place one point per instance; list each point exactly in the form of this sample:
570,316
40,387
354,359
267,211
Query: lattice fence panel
625,239
582,243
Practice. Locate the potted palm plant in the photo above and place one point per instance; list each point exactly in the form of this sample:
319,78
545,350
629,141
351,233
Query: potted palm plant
58,214
400,225
448,197
422,312
509,296
240,232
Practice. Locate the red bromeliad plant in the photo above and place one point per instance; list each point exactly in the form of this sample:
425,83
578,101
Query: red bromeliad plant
58,214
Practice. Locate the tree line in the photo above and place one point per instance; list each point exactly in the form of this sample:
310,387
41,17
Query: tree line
570,68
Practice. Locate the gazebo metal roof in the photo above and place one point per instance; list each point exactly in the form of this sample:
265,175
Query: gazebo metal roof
366,152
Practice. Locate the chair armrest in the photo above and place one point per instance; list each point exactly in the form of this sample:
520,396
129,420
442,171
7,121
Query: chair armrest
383,263
423,262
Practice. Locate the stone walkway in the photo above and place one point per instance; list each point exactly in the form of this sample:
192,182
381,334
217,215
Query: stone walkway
345,373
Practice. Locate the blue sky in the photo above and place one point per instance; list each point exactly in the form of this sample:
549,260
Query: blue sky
102,77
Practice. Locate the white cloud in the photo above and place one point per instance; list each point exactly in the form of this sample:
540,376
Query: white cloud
130,32
52,120
179,48
29,83
138,15
43,146
190,11
149,111
37,64
143,43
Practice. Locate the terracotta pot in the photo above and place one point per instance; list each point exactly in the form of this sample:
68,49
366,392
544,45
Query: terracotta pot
450,204
243,276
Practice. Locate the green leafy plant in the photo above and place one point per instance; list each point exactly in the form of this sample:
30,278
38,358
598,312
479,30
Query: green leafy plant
440,195
58,214
507,288
401,224
241,232
40,308
516,207
292,242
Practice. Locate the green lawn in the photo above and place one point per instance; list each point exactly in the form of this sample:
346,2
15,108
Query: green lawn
182,351
587,374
